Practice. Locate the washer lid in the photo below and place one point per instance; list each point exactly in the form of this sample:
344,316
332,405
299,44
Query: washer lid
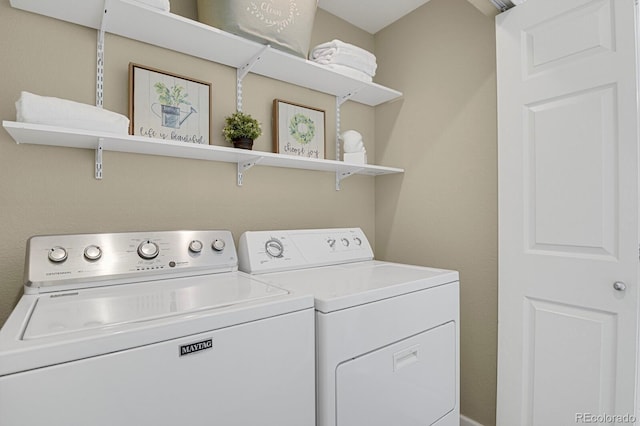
69,312
344,286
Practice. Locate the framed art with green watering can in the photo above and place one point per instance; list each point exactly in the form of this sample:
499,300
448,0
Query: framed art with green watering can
168,106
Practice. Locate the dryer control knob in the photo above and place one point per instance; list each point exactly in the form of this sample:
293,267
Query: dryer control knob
274,248
331,242
218,245
345,242
148,250
195,246
357,240
58,254
92,252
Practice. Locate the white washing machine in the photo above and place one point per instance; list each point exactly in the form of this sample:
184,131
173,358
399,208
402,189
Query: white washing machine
153,328
387,334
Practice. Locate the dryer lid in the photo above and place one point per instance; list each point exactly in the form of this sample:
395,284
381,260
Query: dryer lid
100,308
343,286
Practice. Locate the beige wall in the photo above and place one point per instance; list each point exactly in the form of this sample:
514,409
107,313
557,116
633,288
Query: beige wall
51,190
443,210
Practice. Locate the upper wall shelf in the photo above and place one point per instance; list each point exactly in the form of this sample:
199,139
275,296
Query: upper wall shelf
136,21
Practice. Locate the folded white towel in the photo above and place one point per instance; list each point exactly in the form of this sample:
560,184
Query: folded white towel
350,72
341,53
158,4
51,111
347,59
341,46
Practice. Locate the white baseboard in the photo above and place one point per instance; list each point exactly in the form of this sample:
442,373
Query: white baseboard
466,421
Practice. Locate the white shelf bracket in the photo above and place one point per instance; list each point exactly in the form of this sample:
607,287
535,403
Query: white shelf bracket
99,159
338,104
242,72
339,101
344,98
342,175
243,166
100,57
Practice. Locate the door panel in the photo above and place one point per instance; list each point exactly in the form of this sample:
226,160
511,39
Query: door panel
579,32
580,128
569,354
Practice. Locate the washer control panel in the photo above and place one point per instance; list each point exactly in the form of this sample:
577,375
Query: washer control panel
273,251
86,260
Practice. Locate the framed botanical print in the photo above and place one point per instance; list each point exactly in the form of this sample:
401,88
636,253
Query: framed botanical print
167,106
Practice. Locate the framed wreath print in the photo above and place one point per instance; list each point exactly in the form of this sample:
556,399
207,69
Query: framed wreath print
168,106
298,130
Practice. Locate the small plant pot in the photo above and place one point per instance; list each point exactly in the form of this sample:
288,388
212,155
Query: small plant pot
243,143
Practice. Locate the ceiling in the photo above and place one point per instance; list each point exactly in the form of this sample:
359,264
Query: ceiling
370,15
374,15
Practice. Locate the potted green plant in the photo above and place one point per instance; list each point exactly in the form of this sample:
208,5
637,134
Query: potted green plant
241,129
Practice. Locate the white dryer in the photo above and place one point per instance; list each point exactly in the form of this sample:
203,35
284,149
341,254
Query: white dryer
387,334
153,328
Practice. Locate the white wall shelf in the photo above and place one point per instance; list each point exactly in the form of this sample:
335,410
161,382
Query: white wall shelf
25,133
134,20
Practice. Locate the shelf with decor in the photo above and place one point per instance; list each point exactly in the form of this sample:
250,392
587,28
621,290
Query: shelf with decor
136,21
36,134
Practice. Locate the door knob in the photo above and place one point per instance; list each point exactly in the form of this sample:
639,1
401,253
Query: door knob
620,286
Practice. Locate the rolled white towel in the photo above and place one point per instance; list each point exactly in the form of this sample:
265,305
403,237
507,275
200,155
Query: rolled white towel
341,53
158,4
58,112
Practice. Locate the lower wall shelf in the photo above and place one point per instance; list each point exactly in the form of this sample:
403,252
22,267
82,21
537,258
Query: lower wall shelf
36,134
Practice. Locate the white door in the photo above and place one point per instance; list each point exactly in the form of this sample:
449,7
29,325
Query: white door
568,212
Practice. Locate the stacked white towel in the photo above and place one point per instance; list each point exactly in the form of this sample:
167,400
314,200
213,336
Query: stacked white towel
346,58
158,4
51,111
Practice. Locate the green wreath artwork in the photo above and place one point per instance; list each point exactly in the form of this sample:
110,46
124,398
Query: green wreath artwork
302,128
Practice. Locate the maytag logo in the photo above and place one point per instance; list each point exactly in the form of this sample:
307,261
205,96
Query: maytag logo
193,348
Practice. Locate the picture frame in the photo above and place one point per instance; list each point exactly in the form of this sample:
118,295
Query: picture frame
298,130
168,106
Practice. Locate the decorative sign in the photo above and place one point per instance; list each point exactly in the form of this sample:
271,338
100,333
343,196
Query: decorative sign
298,130
167,106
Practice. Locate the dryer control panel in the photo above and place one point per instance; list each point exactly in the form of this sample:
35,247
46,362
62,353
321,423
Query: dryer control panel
275,251
56,262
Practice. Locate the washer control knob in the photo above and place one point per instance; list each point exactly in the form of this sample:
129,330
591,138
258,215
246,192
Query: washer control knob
148,250
218,245
57,254
274,248
345,242
331,242
195,246
357,240
92,252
